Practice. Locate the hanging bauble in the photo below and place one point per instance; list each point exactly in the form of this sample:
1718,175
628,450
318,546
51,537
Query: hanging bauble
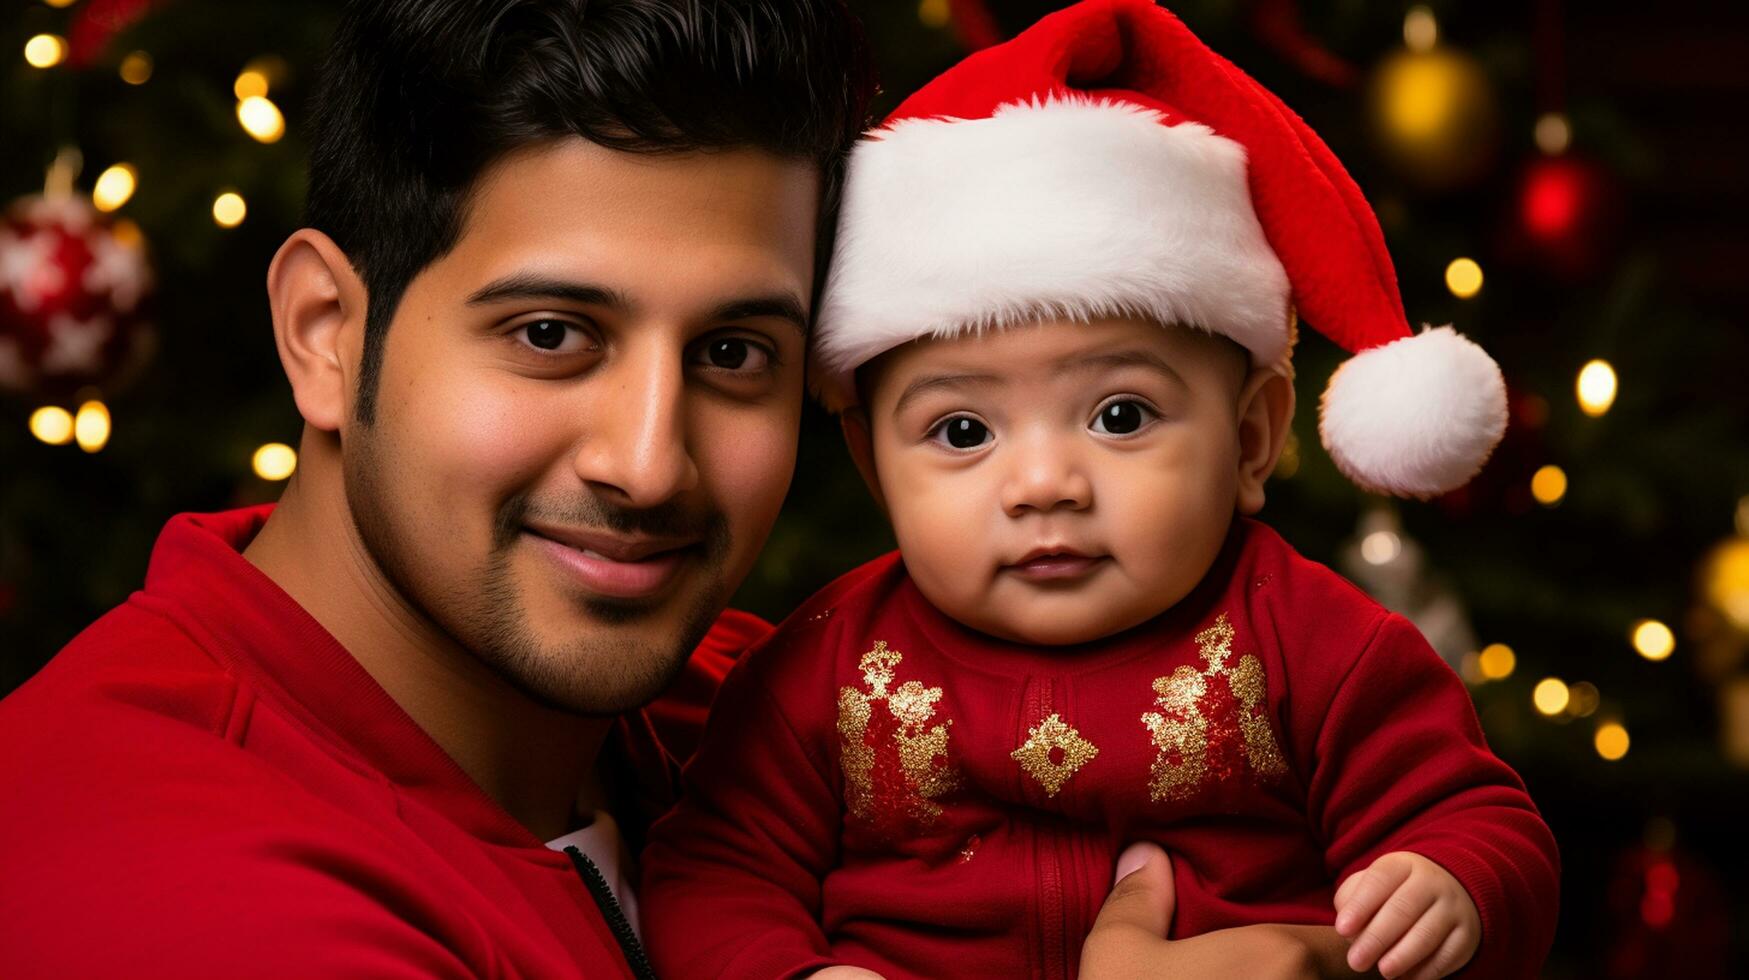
74,290
1565,213
1669,916
1433,116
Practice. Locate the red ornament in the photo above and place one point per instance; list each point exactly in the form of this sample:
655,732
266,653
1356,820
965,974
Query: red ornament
73,290
1566,213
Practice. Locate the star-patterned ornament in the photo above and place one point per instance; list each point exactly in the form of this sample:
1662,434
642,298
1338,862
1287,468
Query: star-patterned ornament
1053,751
74,291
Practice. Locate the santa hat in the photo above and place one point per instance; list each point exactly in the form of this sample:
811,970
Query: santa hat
1107,162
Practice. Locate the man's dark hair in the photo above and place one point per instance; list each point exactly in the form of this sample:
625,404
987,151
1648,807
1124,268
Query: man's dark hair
418,97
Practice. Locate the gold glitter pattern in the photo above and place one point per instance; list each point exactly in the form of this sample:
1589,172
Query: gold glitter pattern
895,763
1048,736
1199,725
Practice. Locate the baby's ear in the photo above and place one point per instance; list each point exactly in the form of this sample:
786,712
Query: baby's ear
860,439
1266,412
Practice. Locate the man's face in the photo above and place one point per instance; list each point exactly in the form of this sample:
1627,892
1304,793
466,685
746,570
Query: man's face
1058,483
588,411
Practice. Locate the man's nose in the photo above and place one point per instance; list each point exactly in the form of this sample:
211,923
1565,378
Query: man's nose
637,449
1044,474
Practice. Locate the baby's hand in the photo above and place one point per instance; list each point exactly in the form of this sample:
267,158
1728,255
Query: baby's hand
844,973
1408,915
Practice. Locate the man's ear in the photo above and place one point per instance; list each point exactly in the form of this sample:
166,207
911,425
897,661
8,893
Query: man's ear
318,305
1266,410
857,435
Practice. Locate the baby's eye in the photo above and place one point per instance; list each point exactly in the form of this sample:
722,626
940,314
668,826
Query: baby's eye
1123,417
961,432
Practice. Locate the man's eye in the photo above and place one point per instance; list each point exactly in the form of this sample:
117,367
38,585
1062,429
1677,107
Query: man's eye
1122,418
555,336
962,432
738,354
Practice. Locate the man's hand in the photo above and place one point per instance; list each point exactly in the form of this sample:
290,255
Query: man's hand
1409,916
1128,939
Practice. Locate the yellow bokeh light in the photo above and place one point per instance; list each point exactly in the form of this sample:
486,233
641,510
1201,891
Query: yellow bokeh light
114,186
52,424
1743,516
1548,485
1582,699
934,13
1611,740
91,426
1553,133
1464,278
1380,547
1653,639
1497,661
250,84
1596,387
275,461
261,118
1550,696
136,68
1726,581
229,209
59,3
1420,29
45,50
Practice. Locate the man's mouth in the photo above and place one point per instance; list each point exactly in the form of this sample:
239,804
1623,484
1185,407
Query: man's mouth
1055,564
615,566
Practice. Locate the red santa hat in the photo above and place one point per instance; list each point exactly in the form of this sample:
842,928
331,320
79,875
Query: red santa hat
1107,162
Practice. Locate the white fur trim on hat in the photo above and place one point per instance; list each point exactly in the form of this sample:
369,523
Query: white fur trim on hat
1415,417
1069,207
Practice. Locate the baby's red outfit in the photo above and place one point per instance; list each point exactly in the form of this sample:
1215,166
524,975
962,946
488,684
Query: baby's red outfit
881,786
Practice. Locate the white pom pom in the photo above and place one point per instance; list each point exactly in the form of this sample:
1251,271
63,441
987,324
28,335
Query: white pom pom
1416,417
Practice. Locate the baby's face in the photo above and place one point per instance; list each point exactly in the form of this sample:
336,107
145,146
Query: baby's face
1057,483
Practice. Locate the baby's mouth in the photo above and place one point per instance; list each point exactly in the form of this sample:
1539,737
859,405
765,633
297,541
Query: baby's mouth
1055,565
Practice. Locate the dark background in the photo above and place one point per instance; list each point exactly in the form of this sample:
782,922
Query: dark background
1628,245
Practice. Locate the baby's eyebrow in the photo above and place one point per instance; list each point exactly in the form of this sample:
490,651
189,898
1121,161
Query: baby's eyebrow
1120,358
936,382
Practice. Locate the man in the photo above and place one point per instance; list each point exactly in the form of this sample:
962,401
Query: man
545,328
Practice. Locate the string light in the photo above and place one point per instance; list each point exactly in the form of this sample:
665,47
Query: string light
1548,485
114,186
1464,278
1653,640
52,424
1553,133
1596,387
1550,696
1380,547
1611,740
275,461
1420,29
136,68
229,209
45,50
1497,661
91,426
261,118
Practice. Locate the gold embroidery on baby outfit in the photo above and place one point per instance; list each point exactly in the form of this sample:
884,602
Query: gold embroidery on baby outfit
895,764
1212,722
1053,737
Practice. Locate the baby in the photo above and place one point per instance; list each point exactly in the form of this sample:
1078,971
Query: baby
1058,331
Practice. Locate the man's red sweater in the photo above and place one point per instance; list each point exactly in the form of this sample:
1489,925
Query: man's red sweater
882,787
205,784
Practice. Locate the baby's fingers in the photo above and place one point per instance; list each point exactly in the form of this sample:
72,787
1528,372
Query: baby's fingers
1453,953
1419,943
1394,919
1361,896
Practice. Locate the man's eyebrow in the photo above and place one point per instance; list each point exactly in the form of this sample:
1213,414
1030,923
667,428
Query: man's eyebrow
524,285
783,306
936,382
1121,358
